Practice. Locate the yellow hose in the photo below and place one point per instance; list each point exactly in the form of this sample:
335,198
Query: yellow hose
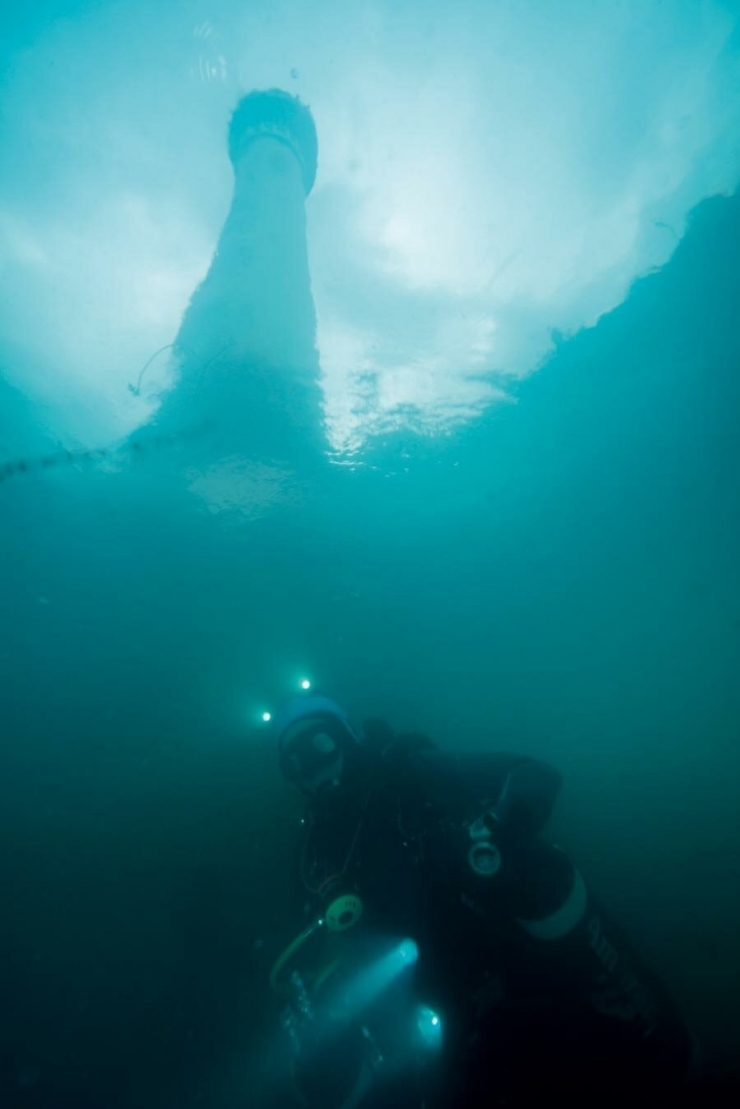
294,946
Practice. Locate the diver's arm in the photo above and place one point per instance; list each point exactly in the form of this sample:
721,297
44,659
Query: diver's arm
527,798
519,793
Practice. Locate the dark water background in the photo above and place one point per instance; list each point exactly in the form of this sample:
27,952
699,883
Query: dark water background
561,579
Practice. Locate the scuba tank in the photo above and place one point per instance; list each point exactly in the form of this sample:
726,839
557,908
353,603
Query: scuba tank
598,997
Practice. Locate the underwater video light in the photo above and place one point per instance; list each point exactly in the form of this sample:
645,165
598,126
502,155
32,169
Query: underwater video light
407,951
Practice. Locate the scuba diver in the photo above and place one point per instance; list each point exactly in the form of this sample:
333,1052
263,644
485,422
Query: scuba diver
450,955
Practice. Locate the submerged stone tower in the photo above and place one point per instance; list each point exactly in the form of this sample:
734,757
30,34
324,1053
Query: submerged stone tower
246,354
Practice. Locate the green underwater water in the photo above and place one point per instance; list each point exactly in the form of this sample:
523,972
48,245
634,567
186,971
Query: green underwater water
559,578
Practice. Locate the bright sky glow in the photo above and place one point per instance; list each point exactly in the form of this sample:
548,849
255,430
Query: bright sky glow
486,174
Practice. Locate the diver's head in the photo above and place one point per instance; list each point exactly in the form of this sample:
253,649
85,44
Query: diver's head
317,745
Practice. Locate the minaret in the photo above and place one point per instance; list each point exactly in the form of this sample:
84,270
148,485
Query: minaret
245,354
